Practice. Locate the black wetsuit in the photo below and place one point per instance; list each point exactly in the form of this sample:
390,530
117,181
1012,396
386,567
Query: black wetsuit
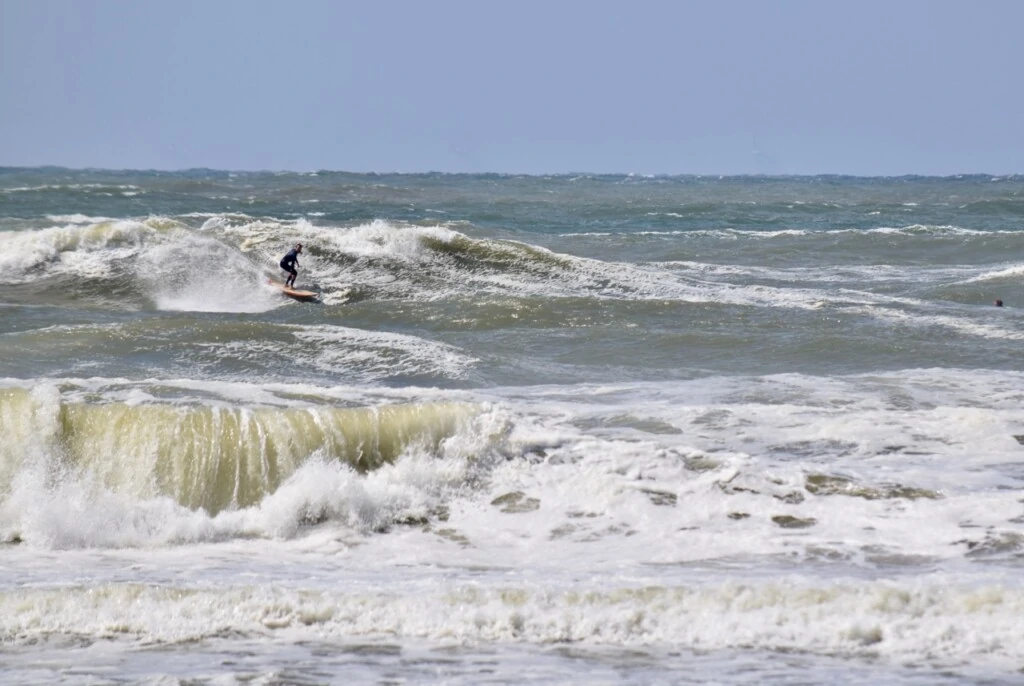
290,261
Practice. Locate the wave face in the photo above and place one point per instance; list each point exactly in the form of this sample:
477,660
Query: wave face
209,457
565,428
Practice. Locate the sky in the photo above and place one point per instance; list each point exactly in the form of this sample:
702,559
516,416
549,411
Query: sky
860,87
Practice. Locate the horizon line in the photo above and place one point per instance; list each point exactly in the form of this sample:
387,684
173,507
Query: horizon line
308,172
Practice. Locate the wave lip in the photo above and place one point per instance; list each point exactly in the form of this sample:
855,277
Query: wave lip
207,458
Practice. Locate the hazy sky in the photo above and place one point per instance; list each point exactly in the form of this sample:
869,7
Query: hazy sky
641,86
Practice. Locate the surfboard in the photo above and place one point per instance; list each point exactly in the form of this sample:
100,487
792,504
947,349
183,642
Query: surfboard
293,292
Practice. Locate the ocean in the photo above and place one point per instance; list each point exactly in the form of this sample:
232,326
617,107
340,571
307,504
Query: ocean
603,429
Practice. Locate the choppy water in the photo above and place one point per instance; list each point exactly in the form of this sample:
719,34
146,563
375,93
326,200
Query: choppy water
548,429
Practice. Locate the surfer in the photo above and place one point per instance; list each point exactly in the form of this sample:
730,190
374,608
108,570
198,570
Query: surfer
290,262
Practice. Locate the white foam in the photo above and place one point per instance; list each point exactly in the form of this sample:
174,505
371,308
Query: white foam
1014,271
762,234
196,272
927,621
79,249
71,186
78,219
380,353
1002,330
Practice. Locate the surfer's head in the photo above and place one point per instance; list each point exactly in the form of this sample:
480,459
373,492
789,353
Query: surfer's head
298,246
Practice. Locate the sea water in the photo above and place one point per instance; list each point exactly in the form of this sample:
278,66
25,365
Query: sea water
559,429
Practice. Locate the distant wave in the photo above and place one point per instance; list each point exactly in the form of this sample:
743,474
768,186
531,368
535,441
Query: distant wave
167,262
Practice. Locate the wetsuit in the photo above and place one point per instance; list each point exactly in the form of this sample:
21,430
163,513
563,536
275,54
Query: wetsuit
288,263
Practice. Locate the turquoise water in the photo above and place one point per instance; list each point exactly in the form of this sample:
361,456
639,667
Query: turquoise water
646,429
